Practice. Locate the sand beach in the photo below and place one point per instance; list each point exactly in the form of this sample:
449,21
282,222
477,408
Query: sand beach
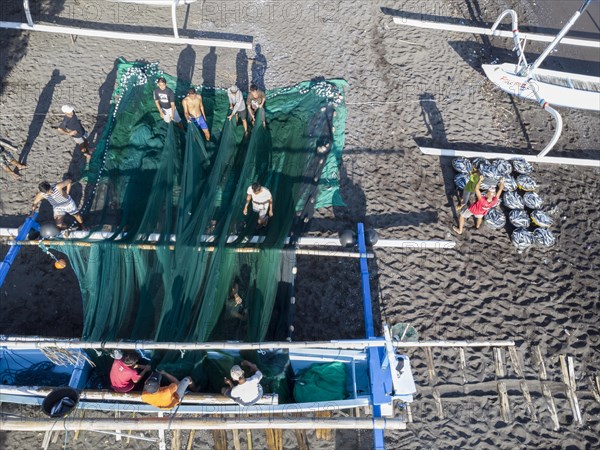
406,87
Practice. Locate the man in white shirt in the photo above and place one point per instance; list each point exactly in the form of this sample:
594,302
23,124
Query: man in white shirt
247,391
237,106
262,203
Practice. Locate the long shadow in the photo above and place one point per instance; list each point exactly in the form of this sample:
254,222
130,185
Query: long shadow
259,67
209,75
241,68
185,70
105,93
434,122
15,42
39,116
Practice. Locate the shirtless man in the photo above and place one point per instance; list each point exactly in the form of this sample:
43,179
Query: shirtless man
194,111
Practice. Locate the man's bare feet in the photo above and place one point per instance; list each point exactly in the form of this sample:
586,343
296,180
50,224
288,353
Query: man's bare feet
456,230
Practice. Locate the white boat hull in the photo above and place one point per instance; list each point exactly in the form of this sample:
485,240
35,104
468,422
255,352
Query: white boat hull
573,91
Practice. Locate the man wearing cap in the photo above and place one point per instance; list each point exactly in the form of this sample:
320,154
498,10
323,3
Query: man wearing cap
71,125
237,106
481,207
166,397
247,391
164,98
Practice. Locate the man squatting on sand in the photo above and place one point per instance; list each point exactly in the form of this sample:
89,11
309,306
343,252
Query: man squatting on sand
481,207
62,203
262,203
256,100
166,397
194,111
8,163
247,391
71,125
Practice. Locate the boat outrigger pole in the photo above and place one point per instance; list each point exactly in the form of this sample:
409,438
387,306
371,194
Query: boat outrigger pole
531,67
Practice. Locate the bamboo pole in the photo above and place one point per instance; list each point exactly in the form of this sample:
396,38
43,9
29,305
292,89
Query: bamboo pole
249,439
219,439
190,441
504,404
162,444
32,343
323,433
499,363
463,364
551,406
595,381
128,431
568,373
162,423
236,437
539,361
176,440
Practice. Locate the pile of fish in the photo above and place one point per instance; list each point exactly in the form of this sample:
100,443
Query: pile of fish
519,199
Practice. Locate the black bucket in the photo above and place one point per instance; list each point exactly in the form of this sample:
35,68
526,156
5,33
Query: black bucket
60,402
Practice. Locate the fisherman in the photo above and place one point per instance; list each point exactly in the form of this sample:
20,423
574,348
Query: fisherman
62,203
247,391
166,397
481,207
194,111
164,98
256,100
71,125
262,203
237,106
470,187
123,373
8,162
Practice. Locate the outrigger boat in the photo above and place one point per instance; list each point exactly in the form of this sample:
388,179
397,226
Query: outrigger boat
527,80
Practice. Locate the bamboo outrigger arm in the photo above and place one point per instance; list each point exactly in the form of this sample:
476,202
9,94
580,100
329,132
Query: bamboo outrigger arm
24,343
169,423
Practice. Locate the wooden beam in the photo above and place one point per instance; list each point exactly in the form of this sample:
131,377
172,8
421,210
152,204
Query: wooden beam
504,404
551,406
531,158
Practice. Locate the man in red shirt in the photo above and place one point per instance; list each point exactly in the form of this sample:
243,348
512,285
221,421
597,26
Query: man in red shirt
481,207
123,375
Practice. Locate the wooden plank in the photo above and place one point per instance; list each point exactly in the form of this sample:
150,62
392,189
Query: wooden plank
219,439
162,445
595,382
438,402
176,440
430,366
515,361
129,431
504,404
190,441
551,406
527,396
539,361
118,432
249,439
463,363
46,440
499,363
572,391
301,439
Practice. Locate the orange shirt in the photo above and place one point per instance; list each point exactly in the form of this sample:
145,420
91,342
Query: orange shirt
164,398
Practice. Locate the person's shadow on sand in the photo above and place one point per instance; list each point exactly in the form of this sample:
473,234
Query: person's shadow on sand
209,75
185,70
39,116
259,67
241,67
105,93
432,118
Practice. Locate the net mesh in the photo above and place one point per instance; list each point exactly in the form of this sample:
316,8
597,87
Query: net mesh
179,241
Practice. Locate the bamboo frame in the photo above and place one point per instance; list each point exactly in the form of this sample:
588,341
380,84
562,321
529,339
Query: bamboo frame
165,423
445,26
530,158
32,343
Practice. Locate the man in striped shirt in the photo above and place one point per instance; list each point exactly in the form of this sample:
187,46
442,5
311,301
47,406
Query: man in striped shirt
62,203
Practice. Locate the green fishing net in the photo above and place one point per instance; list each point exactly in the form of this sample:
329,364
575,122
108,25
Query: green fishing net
171,204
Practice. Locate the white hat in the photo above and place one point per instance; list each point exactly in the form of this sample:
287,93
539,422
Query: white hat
67,109
236,373
233,89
